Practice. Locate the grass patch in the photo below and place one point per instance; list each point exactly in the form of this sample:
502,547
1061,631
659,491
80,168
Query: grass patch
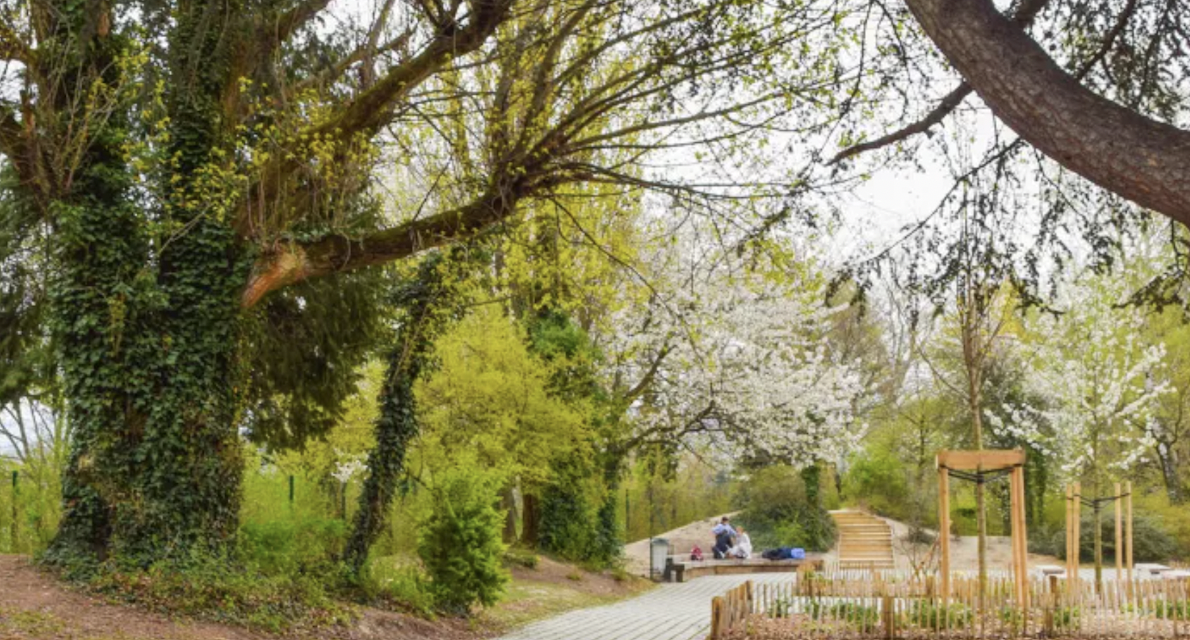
221,592
30,623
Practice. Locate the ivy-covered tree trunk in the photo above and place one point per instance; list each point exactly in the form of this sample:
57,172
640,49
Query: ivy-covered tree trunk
148,331
396,425
429,304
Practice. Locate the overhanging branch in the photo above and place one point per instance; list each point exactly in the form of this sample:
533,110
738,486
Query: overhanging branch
1024,16
1121,150
336,253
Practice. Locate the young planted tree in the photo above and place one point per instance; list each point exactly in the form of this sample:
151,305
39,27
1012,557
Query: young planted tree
1101,384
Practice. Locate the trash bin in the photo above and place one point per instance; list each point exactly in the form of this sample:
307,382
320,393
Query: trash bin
658,555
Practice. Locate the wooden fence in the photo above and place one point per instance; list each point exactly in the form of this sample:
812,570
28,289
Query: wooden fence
885,606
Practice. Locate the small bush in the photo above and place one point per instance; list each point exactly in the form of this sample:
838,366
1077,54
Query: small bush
284,547
855,615
1175,610
460,545
1066,618
398,587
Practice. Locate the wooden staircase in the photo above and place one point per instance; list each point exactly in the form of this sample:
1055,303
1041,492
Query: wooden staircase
865,541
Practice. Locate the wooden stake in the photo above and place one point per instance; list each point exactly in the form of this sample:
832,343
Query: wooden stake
944,531
1119,540
1076,541
1128,529
1070,532
1021,533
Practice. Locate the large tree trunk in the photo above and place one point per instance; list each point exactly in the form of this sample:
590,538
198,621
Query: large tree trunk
530,518
1115,147
148,337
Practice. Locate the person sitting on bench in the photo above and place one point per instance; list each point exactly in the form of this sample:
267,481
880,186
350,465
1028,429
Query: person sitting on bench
724,535
743,546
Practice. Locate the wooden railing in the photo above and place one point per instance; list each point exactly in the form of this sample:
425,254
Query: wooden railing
731,611
842,605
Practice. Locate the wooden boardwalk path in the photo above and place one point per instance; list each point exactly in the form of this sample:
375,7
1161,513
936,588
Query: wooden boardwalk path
669,612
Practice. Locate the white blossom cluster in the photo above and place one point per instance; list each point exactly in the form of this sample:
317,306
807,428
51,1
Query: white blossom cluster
1100,383
736,358
347,466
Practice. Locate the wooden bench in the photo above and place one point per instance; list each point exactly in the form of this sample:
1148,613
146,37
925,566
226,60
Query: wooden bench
677,570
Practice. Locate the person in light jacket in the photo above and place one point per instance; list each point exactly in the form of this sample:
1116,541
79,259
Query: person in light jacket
743,545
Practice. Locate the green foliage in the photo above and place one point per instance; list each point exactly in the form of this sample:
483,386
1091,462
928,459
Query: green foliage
37,507
397,586
574,512
1172,518
1151,543
459,543
489,393
430,302
306,347
877,480
854,615
777,512
659,501
296,546
1172,609
1067,618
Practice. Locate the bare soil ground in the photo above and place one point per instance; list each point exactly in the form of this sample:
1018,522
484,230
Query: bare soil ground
34,605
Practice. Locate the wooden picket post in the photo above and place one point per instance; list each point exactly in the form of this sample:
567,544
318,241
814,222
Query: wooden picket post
944,530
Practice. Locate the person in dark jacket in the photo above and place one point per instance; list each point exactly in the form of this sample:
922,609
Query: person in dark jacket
724,538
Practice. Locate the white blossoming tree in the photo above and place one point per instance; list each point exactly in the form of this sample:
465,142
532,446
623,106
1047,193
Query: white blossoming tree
1101,381
733,351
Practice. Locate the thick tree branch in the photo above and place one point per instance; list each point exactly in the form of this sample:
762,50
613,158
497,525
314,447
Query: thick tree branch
1123,151
1024,16
293,263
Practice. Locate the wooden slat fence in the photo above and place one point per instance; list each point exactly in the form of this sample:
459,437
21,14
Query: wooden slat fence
730,611
888,605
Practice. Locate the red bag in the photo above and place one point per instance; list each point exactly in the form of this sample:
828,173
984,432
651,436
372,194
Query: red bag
696,554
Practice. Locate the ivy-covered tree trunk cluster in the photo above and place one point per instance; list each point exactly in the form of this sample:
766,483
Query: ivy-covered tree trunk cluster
148,330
